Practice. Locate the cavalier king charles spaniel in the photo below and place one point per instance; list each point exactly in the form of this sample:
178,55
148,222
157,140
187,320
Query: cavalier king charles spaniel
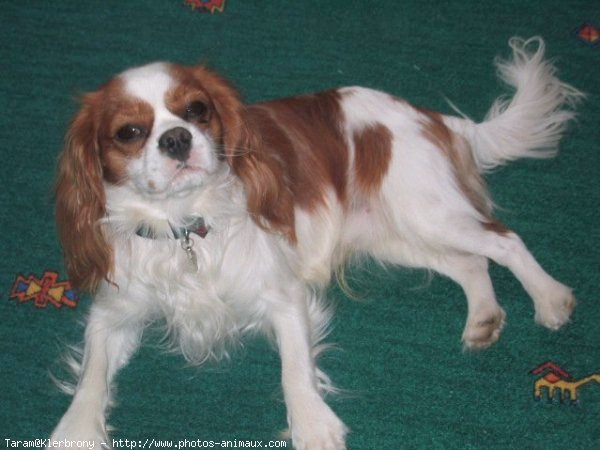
178,203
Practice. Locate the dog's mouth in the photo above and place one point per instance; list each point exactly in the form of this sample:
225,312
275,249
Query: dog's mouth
184,170
185,177
184,166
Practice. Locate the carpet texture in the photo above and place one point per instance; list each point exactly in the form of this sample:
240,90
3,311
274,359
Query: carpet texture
407,383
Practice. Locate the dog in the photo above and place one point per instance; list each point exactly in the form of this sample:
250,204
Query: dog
177,202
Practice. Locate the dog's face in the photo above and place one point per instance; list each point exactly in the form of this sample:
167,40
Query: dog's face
158,129
161,134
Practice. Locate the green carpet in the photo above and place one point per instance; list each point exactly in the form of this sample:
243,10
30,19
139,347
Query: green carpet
407,382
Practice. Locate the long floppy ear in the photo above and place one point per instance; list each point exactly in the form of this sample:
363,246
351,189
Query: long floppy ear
270,201
80,203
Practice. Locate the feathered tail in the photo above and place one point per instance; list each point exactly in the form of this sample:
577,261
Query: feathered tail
531,123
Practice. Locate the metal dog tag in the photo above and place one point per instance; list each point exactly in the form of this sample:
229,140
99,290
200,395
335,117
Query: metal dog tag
187,245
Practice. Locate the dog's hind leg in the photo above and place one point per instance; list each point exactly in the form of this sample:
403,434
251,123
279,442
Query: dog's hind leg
485,317
553,301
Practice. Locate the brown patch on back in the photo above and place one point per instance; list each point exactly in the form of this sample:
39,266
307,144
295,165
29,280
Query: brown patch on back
373,151
301,151
459,153
303,134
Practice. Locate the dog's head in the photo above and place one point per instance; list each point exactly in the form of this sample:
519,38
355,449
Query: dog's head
159,130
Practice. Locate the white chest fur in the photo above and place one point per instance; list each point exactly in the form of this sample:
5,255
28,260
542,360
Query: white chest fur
205,310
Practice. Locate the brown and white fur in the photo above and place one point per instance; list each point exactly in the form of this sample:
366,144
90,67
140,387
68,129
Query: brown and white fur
290,189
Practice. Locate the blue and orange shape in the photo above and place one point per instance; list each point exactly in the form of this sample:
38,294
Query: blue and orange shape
44,291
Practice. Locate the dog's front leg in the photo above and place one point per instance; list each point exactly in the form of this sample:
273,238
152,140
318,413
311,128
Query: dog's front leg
313,425
110,340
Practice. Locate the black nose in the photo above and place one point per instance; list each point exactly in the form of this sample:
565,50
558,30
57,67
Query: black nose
176,143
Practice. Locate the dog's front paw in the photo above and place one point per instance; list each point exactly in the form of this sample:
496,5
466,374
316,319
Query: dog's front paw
483,329
554,309
318,429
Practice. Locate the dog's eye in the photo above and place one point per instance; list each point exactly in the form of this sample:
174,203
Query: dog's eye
129,133
197,111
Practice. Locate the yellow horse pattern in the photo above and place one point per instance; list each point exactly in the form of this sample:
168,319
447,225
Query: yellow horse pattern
557,379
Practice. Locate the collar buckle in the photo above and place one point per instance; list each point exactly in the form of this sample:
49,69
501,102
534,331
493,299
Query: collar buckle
194,224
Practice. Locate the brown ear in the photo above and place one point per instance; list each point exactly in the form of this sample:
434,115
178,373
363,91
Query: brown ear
270,201
80,203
